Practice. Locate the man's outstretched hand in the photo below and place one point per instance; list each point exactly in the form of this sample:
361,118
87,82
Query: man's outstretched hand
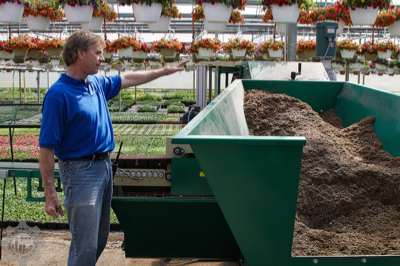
179,67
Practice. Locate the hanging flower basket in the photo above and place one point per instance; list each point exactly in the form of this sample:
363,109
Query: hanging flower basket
275,53
394,29
285,13
356,67
11,12
139,56
205,53
168,54
34,54
54,52
19,55
238,53
306,55
217,12
214,26
125,52
94,25
147,13
78,14
160,26
364,16
168,48
384,54
38,23
347,54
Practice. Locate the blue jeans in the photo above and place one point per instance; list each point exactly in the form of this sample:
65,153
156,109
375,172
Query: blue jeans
88,192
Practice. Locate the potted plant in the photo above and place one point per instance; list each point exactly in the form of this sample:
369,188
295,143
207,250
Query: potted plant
364,12
369,50
19,46
262,50
267,17
128,48
347,48
168,49
306,49
385,49
53,47
286,11
236,17
204,49
198,13
36,48
239,48
167,13
38,14
79,11
219,11
307,16
384,18
270,49
275,49
103,12
337,12
147,11
11,11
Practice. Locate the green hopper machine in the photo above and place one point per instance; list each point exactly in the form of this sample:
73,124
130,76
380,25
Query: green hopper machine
233,196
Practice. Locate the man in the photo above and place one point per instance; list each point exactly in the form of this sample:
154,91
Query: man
76,127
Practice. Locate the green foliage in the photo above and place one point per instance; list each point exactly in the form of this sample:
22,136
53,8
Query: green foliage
175,109
148,97
174,102
147,109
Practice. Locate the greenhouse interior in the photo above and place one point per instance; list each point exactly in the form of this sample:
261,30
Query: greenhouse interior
303,93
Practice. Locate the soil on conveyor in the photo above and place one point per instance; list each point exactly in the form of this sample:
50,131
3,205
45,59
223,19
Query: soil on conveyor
349,191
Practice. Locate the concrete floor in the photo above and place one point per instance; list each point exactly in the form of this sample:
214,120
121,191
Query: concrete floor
51,249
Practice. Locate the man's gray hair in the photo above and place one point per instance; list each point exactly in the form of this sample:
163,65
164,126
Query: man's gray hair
79,41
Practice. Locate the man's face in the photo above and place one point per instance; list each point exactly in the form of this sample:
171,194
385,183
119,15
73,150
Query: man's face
90,60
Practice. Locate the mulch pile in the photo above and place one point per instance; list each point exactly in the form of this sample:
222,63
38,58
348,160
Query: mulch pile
349,191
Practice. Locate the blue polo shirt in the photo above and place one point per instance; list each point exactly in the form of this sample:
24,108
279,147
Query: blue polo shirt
75,118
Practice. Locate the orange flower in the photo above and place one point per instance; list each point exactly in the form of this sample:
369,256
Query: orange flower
347,45
237,43
171,11
198,13
49,10
213,44
105,11
236,17
168,44
267,17
303,45
126,42
270,44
